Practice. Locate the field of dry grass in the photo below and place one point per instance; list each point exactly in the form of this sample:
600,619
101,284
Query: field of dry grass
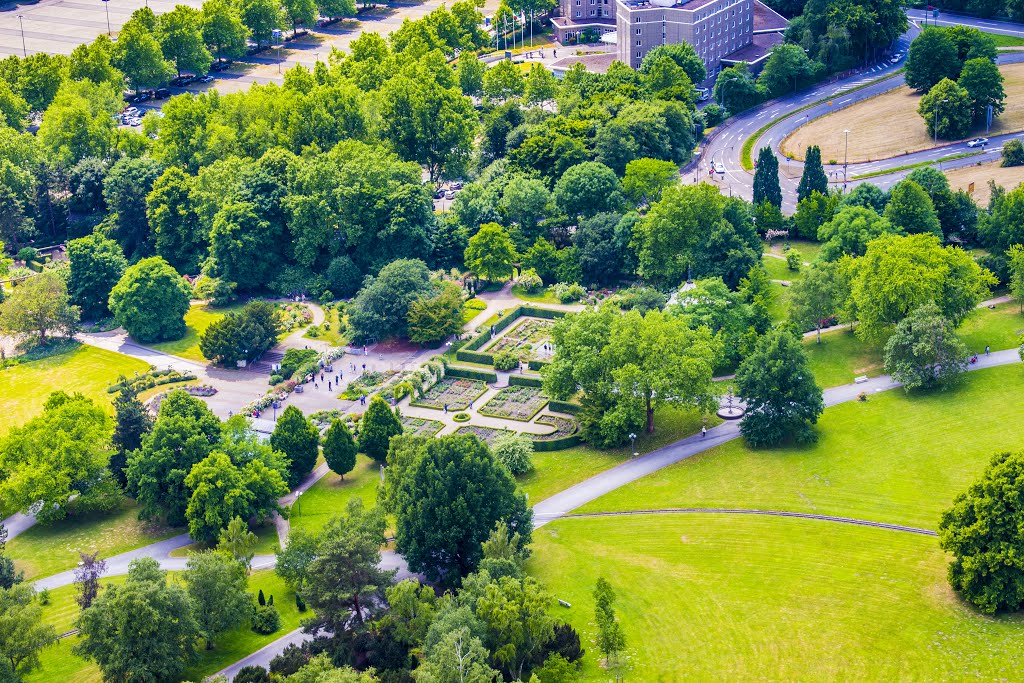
980,174
889,124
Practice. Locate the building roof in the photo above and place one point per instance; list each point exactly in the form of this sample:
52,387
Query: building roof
760,48
582,22
595,63
767,19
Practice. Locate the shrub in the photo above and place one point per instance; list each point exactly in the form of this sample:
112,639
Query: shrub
265,619
294,358
461,417
44,596
290,660
567,293
713,115
1013,154
506,360
252,674
300,604
515,452
219,292
530,281
793,259
471,373
27,254
275,380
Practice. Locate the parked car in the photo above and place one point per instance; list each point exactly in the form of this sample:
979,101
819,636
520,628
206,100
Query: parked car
161,93
130,110
456,185
978,142
450,194
220,66
439,194
207,78
181,81
718,167
896,58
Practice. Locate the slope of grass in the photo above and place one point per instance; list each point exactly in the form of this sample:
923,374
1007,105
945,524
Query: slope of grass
808,250
840,357
45,550
544,296
999,328
728,598
778,270
198,318
329,497
24,388
898,458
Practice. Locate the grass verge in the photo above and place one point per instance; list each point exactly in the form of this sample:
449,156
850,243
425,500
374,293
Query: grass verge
198,318
907,167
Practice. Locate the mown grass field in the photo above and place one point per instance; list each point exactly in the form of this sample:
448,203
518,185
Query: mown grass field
24,388
709,597
1008,177
898,458
544,296
904,130
778,270
198,318
329,497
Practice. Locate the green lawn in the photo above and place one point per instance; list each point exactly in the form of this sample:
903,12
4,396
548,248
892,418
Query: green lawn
45,550
329,496
840,357
1000,328
542,297
896,458
556,471
779,307
61,666
198,318
1005,41
24,388
266,543
332,336
808,250
778,270
730,598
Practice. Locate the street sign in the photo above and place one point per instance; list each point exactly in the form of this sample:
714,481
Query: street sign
988,118
970,188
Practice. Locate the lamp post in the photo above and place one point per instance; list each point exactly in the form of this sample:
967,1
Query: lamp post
106,7
935,123
846,157
21,23
298,494
632,444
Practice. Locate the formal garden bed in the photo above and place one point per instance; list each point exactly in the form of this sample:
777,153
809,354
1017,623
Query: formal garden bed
418,426
515,403
485,434
527,337
366,384
564,427
457,394
530,327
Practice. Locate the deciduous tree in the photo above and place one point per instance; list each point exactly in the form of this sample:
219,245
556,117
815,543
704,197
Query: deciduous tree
490,253
931,58
150,301
24,632
38,307
96,264
217,585
924,351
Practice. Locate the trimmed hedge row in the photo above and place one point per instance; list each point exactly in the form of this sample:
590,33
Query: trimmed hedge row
558,444
474,357
471,373
524,381
564,407
537,365
469,353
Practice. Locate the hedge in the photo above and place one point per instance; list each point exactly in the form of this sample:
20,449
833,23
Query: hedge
558,444
469,354
524,381
471,373
474,357
537,365
564,407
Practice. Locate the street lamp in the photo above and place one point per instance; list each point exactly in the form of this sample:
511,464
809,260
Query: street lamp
935,123
846,156
298,494
106,7
632,443
21,22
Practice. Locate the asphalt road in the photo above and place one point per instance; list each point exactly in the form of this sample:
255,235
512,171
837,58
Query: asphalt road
823,99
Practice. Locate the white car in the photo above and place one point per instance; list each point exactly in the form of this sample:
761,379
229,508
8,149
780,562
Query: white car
718,167
896,58
978,142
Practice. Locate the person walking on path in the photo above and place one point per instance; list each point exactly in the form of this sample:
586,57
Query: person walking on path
328,385
703,431
987,349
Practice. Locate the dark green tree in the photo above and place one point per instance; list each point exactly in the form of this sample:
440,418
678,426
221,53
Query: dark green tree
180,34
766,179
982,530
217,582
946,110
984,85
782,399
297,438
924,351
588,189
142,631
813,178
150,301
381,309
440,522
223,30
132,421
931,58
378,425
96,266
911,210
178,234
124,191
242,335
339,448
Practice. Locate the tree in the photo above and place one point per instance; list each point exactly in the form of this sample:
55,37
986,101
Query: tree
931,58
87,578
378,425
490,253
458,657
503,81
776,383
294,561
339,448
587,189
335,9
813,212
1013,153
137,54
345,577
541,85
900,274
682,54
178,233
924,351
180,34
766,179
79,122
788,68
297,438
223,30
435,318
610,639
237,541
300,13
245,335
261,17
23,632
96,265
646,179
132,421
150,301
13,107
38,307
524,202
852,229
910,209
946,110
982,530
515,452
381,309
142,631
470,73
222,490
736,90
56,462
440,521
813,178
1015,261
815,297
217,583
125,188
628,366
983,83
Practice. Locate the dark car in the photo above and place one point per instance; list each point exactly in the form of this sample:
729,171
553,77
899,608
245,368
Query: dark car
161,94
221,66
180,81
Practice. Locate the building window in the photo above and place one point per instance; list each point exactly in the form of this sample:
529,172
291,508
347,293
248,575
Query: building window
638,20
639,55
638,31
577,14
639,43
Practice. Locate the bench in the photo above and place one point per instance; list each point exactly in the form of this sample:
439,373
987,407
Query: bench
563,603
860,380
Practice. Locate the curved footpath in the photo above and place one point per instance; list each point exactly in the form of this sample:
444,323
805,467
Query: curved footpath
726,143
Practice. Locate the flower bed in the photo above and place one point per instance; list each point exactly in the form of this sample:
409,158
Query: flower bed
457,394
418,426
515,403
152,379
563,427
485,434
461,417
194,390
366,384
294,316
526,337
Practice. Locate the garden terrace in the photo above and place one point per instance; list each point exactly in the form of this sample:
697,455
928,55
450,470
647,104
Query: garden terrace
457,394
366,384
418,426
527,337
471,353
515,403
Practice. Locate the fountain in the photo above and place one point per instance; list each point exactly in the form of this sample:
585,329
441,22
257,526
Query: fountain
730,409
